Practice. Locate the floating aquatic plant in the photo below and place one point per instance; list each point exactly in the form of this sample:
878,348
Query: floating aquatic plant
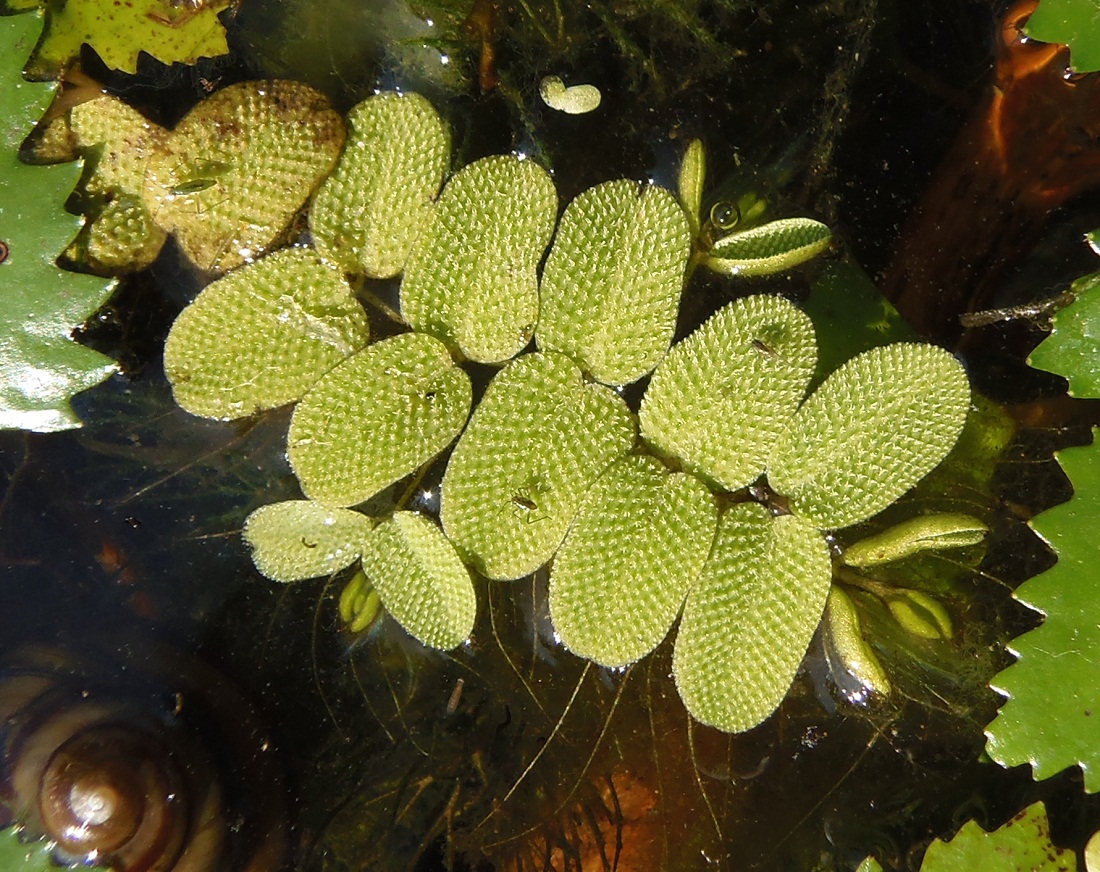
549,466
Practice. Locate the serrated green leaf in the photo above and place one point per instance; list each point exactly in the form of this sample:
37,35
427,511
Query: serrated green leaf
471,280
421,580
930,532
769,248
368,214
1075,23
611,287
171,32
261,336
377,417
1053,688
117,141
41,367
300,539
639,540
722,397
19,856
749,617
535,444
1021,844
1071,348
229,178
874,428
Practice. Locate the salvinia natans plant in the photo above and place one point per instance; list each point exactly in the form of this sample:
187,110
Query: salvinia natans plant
713,501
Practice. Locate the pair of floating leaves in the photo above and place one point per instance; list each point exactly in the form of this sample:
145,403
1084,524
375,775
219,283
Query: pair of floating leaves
611,287
236,169
534,446
407,561
471,279
368,214
377,417
261,336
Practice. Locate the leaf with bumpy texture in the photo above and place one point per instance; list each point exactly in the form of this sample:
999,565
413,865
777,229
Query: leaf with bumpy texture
421,580
769,248
172,32
262,335
118,140
1053,688
639,540
1023,843
870,432
612,282
376,418
41,367
232,174
722,396
368,214
1070,349
301,539
471,279
535,444
750,616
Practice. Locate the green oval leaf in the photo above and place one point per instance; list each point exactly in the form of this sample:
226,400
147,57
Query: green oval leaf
368,214
612,282
377,417
749,618
572,100
722,396
639,540
301,539
471,280
689,187
923,533
263,335
769,248
870,432
855,667
236,169
421,580
533,447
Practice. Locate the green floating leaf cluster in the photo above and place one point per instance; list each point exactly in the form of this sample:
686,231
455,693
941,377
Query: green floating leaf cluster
41,367
552,466
227,181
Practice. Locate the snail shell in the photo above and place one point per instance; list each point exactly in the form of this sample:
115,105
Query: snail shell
141,759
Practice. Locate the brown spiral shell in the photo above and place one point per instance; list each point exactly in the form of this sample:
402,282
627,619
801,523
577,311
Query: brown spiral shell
140,758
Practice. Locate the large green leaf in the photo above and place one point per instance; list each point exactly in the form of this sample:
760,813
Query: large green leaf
1021,845
749,618
368,214
169,30
377,417
1073,22
41,367
471,279
537,441
1053,689
620,576
230,177
722,397
870,432
262,335
19,856
1071,348
611,287
421,580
